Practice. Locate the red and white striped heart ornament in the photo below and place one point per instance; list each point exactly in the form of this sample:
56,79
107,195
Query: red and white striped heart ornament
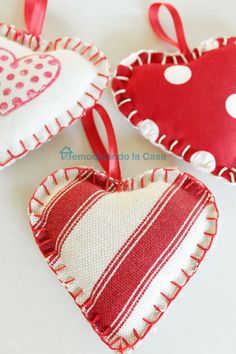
183,102
123,249
45,85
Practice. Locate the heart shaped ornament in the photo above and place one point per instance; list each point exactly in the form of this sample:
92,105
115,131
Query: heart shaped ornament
45,86
123,249
183,102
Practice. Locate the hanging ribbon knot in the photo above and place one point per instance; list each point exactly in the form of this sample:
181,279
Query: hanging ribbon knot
35,11
154,11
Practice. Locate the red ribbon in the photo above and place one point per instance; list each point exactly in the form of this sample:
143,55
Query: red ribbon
157,27
35,11
108,160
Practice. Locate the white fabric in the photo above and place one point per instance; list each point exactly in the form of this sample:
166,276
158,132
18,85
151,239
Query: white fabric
69,85
106,217
171,272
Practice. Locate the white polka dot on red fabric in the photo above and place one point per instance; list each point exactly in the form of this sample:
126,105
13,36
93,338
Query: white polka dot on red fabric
178,74
149,130
231,105
204,160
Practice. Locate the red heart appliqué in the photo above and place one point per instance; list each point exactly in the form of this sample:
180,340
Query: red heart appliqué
184,102
123,249
23,79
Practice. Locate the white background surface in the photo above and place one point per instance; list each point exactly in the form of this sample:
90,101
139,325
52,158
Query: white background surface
36,314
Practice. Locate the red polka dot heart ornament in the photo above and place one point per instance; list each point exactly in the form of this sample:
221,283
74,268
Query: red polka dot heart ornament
123,248
184,102
45,85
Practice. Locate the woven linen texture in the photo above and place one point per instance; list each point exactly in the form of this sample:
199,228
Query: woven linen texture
122,252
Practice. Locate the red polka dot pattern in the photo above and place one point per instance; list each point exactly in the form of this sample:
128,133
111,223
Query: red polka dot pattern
24,79
48,74
3,105
23,72
4,58
38,66
6,92
19,85
10,77
34,79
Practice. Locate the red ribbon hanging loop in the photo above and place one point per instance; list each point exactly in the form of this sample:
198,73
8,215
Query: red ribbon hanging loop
35,11
108,160
157,27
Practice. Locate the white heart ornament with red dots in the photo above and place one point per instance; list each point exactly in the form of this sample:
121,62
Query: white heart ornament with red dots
45,86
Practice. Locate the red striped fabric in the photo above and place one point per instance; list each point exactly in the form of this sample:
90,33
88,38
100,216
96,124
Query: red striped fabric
140,290
75,219
133,238
44,217
166,227
65,208
124,257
